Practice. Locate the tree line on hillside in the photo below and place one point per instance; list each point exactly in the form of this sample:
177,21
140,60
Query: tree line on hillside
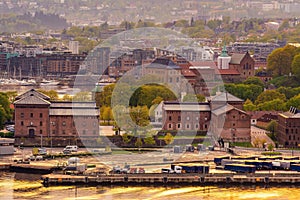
29,22
257,98
284,61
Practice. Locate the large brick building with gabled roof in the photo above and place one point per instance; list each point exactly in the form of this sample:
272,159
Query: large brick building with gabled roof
38,118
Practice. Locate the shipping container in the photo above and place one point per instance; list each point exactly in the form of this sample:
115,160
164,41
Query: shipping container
240,168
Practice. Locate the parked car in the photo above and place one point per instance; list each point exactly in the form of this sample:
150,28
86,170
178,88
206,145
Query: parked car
42,151
72,148
167,171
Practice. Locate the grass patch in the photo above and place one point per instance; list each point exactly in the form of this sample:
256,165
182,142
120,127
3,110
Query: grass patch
271,153
184,137
242,144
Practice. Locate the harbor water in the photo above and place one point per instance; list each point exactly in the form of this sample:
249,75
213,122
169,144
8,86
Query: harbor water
27,186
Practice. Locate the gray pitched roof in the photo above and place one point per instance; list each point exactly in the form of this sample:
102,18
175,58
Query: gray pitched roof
74,112
225,96
163,63
32,99
70,104
225,109
183,106
237,58
33,92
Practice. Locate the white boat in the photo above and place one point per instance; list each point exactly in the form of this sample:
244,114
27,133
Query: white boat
49,82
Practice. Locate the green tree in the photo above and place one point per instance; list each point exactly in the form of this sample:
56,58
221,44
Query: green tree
289,92
67,97
126,138
296,66
269,95
213,24
149,140
103,98
147,93
50,93
5,104
169,138
272,127
270,147
138,143
193,98
295,102
12,95
244,91
139,116
106,114
254,81
3,117
279,62
272,105
157,100
249,106
82,96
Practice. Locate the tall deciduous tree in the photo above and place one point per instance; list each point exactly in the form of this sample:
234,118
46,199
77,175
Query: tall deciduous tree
103,98
149,140
12,95
3,117
5,104
50,93
279,62
244,91
269,95
295,102
140,115
254,81
169,138
272,105
249,106
138,143
193,98
296,66
106,114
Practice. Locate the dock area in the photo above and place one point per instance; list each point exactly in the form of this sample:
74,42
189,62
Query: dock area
28,168
5,166
172,179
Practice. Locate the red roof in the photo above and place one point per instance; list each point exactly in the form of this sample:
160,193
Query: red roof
187,72
259,114
208,63
227,72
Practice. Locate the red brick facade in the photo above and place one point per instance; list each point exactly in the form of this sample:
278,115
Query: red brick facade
36,117
289,129
231,124
186,116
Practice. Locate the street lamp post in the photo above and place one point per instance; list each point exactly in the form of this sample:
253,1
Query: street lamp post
50,133
41,140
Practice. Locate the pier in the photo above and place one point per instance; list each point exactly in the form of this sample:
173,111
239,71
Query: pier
5,166
28,168
172,179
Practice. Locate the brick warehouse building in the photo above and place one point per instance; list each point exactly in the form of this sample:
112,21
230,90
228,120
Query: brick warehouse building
38,120
186,116
222,116
289,128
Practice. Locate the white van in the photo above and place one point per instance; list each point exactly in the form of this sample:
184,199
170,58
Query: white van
71,148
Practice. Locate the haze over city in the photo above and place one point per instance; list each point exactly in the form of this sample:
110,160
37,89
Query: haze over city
150,99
